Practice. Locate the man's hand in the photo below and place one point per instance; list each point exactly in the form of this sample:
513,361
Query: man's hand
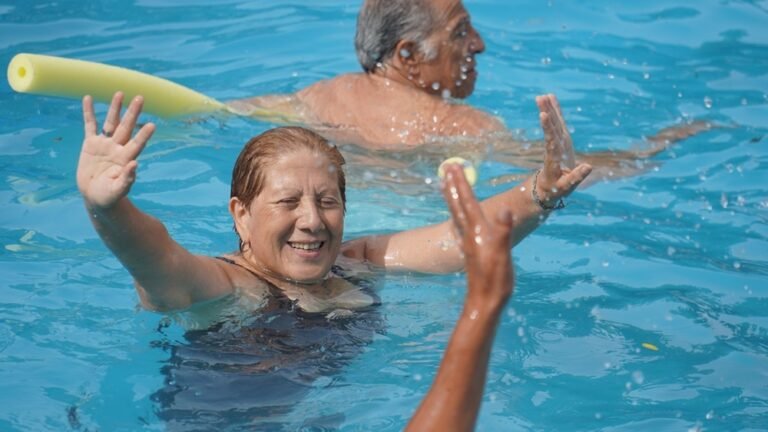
485,242
107,167
558,177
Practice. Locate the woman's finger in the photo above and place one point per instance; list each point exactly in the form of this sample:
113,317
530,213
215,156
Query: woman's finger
113,115
567,154
127,176
135,146
124,129
89,118
571,181
552,155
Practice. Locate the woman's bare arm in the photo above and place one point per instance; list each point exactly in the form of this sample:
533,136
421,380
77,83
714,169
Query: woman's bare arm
433,248
167,276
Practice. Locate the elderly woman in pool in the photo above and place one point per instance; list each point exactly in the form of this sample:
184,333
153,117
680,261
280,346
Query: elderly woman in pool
287,202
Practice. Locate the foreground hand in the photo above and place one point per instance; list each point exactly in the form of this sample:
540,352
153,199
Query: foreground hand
107,167
559,176
484,239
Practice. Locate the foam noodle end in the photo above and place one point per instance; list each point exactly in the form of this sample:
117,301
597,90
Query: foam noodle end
21,73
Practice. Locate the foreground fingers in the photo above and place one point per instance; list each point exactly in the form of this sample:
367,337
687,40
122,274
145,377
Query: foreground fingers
464,208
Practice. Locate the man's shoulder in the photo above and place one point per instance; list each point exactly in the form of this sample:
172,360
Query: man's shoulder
334,85
468,119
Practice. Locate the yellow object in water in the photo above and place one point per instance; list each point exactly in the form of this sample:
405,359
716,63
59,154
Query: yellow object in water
650,346
58,76
469,171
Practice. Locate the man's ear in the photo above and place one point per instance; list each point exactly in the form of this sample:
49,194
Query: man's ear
407,57
241,216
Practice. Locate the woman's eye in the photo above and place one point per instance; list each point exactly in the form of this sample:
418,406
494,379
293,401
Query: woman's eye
328,202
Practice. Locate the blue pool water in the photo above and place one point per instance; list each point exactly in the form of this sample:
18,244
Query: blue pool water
676,257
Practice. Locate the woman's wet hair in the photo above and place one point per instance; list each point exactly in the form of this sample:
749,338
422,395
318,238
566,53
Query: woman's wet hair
248,175
381,24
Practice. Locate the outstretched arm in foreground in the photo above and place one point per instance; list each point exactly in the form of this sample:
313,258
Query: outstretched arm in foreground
167,276
453,402
433,249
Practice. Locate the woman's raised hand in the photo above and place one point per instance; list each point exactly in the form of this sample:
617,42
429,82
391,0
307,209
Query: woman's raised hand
107,167
559,176
485,242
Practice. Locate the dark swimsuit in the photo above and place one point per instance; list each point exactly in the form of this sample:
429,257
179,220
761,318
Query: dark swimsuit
224,376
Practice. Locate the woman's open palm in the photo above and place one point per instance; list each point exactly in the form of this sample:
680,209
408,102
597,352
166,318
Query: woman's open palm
107,167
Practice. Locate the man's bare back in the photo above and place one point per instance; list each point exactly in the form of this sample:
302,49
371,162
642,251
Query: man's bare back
375,112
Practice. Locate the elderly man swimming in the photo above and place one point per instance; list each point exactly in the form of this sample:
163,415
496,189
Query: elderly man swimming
418,57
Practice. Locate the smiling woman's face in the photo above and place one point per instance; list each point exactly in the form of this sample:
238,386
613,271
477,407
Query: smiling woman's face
295,225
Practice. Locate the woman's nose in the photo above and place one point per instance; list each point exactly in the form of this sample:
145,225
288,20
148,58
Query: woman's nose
309,217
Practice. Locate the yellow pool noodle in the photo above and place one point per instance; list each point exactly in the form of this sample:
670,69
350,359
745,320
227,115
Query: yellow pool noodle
58,76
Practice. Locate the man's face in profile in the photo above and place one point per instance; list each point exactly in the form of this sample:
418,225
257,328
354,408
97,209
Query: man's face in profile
455,42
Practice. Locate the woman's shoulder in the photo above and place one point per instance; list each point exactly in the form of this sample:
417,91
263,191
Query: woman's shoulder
241,275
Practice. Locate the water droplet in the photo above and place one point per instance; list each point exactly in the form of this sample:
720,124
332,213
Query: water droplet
671,251
638,377
710,415
646,76
744,101
428,180
404,53
520,331
737,265
445,93
435,86
546,61
417,377
708,102
724,201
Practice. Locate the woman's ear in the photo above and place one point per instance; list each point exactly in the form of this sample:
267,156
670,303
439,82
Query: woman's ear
241,216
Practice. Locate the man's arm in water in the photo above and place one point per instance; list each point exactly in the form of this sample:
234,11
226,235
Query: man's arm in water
453,401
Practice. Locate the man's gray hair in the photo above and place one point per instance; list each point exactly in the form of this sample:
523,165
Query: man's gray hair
381,24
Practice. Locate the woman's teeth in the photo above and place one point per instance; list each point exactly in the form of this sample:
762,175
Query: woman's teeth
306,246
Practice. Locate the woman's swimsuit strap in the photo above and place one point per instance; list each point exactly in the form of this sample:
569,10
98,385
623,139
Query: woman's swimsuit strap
272,289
